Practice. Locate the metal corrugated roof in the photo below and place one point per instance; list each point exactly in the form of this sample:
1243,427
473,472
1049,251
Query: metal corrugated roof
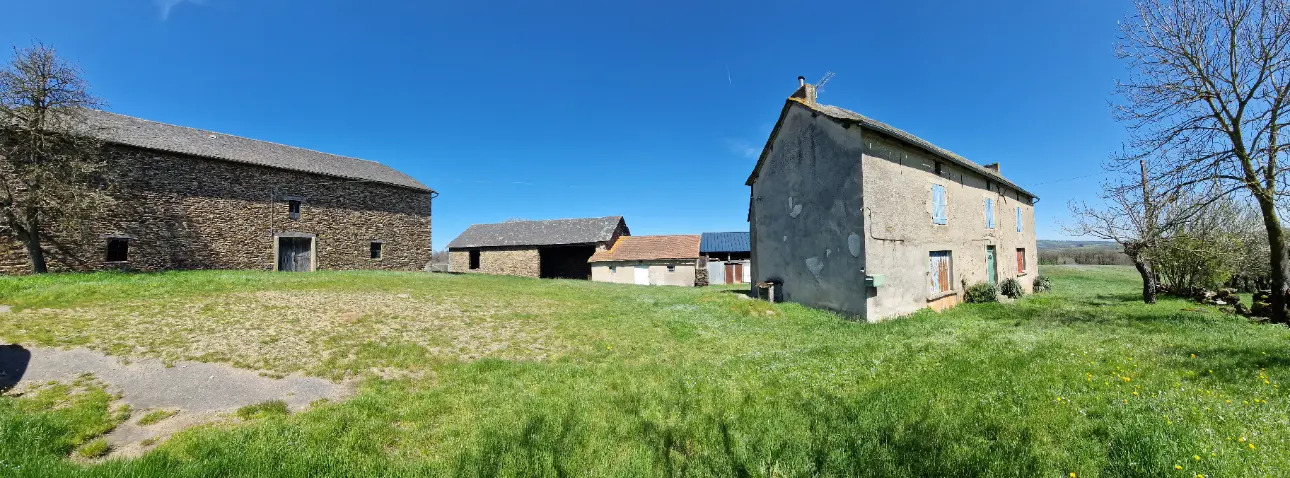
725,242
539,233
141,133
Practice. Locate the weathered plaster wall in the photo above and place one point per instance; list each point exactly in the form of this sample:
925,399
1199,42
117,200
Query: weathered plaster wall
806,222
899,233
182,212
684,275
511,261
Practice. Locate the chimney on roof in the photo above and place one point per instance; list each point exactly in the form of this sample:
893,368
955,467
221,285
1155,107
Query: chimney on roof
994,167
805,91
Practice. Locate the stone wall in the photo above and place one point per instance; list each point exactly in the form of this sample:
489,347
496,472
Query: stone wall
514,261
183,212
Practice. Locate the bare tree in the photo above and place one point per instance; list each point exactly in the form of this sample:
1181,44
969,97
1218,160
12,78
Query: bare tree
48,154
1206,101
1137,216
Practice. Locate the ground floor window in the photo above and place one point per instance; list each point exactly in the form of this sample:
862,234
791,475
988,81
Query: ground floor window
474,259
1021,260
941,272
671,268
613,269
377,248
118,249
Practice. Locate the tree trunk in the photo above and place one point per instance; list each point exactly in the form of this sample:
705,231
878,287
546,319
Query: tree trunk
35,253
1277,246
1148,279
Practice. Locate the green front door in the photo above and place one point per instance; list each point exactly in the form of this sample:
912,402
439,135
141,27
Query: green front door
990,269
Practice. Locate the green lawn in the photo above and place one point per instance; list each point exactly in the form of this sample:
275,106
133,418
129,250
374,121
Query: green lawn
488,376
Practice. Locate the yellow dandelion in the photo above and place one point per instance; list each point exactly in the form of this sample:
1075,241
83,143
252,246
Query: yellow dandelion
1242,439
1251,446
1135,393
1193,355
1197,457
1177,467
1198,475
1072,474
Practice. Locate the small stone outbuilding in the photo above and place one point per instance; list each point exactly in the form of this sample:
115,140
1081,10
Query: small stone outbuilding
648,260
553,249
187,198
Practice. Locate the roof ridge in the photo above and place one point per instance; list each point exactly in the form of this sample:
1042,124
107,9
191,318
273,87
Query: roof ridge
211,131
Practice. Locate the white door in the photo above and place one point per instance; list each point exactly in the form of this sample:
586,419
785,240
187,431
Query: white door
642,275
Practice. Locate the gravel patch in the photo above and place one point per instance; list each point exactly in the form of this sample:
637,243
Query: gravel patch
202,392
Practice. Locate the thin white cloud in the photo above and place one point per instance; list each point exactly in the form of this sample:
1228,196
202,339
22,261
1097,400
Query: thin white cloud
743,148
166,6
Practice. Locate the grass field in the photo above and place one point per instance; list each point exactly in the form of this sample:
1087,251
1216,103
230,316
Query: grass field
489,376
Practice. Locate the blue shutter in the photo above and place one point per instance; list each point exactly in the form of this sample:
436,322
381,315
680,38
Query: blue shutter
938,204
989,213
1018,218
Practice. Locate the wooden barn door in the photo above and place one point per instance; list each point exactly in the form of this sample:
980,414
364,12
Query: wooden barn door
295,254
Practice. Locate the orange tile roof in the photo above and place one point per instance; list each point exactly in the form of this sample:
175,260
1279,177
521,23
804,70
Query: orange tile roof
644,248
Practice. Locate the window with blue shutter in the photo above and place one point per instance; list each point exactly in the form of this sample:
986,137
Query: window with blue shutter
989,213
1018,218
938,204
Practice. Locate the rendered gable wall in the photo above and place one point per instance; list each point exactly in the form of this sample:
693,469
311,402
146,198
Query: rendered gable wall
806,213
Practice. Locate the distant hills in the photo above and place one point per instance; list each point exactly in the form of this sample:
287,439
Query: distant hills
1047,244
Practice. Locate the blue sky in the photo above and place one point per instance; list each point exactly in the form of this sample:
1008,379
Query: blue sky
652,110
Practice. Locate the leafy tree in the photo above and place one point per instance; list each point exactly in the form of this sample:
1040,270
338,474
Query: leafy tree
48,155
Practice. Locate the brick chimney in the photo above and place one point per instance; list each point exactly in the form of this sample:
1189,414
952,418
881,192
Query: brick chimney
994,167
805,91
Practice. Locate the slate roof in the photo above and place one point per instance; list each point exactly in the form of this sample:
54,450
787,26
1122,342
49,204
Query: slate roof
141,133
725,242
539,233
901,135
644,248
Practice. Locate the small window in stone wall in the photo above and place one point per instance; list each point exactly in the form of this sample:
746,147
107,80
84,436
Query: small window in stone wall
474,259
293,208
613,269
671,268
118,249
377,249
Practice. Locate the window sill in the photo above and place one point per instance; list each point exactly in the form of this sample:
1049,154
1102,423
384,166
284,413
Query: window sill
942,295
115,263
1022,274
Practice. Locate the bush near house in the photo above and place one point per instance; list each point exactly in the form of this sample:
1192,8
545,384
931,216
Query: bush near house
503,376
1041,284
1011,288
981,293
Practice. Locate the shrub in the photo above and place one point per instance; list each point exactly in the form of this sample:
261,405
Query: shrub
1011,288
980,293
1042,284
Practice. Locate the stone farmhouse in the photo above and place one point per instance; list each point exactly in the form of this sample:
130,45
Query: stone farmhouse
853,215
195,199
556,249
649,260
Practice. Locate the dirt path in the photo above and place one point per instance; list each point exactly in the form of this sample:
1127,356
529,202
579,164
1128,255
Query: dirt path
202,392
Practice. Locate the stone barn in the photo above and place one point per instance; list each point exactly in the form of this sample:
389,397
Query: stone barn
552,249
194,199
851,214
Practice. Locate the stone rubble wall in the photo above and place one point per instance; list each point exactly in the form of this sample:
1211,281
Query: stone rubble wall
184,212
